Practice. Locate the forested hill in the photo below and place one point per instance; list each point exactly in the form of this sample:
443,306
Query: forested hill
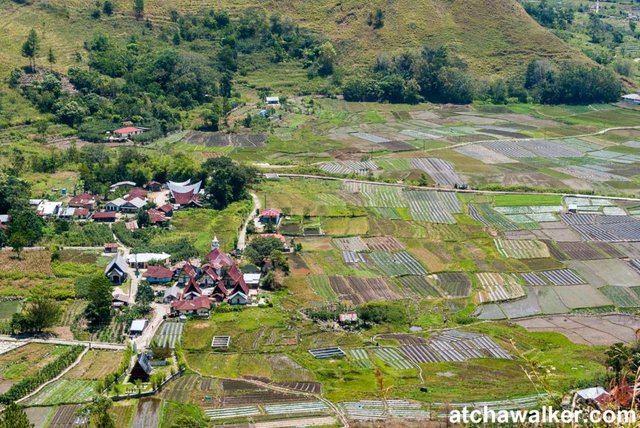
494,37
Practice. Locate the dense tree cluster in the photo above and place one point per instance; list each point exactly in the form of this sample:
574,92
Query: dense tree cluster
550,15
226,182
38,314
432,75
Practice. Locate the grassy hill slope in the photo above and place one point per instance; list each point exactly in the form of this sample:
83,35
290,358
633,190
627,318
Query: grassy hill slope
495,37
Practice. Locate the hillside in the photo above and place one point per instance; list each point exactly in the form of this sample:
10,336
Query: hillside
495,37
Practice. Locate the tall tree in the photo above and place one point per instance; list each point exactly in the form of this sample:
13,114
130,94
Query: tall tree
14,416
138,9
51,58
39,314
99,416
98,311
31,48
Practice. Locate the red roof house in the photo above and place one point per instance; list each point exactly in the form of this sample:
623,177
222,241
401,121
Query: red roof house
83,200
136,192
167,209
127,131
199,306
105,216
158,274
217,259
156,216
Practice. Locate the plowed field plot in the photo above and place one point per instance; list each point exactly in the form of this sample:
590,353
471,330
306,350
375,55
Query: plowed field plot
582,296
293,408
95,365
243,393
383,243
562,277
622,297
368,410
147,413
433,207
595,227
630,249
67,416
310,387
484,214
396,146
496,287
454,346
169,334
232,412
350,244
352,258
350,167
395,264
360,358
453,284
323,353
220,139
606,272
38,416
441,171
404,338
65,391
609,250
532,278
179,389
377,195
372,138
588,330
412,285
521,248
484,154
322,287
393,358
361,290
579,251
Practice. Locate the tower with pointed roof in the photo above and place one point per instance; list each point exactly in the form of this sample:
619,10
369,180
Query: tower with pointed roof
215,244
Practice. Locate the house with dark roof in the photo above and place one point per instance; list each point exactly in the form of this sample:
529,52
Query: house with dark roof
186,273
136,192
167,209
200,306
104,216
83,200
141,370
116,270
158,275
153,186
217,259
157,217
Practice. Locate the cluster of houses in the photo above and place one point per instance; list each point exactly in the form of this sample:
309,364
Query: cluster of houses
193,288
85,206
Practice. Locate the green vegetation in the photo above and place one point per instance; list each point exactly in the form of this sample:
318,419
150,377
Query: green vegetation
48,372
527,200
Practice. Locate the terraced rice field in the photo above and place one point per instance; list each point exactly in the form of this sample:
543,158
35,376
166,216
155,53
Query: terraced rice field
383,243
169,334
496,287
623,297
562,277
354,244
393,358
521,248
322,287
419,286
454,346
595,227
484,214
293,408
377,195
441,171
370,410
360,358
65,391
350,167
433,207
67,416
180,388
453,284
232,412
361,290
395,264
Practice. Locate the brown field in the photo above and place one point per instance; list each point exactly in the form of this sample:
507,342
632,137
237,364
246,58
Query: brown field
147,413
240,393
66,416
362,290
95,365
384,243
579,251
26,360
123,413
592,330
38,261
38,415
